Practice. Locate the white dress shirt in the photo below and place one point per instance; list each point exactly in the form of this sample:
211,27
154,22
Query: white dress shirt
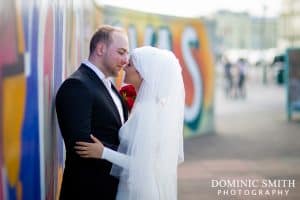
107,83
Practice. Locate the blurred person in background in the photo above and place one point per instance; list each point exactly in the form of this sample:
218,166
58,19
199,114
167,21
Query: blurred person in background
228,77
242,71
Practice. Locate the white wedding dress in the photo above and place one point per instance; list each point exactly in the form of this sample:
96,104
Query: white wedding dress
151,141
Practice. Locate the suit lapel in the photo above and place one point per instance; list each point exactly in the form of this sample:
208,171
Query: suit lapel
103,88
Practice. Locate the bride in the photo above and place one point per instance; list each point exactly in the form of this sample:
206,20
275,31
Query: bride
151,141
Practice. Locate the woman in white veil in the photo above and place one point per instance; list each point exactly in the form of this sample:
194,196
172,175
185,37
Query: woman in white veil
151,141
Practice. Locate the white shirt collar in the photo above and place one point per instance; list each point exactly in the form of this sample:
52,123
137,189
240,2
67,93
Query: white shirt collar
93,67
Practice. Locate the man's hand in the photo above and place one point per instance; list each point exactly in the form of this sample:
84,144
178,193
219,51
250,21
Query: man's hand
89,150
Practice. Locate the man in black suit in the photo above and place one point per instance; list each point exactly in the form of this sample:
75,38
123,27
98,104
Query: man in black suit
88,103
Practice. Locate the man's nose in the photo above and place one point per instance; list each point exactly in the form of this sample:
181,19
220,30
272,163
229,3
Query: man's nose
125,61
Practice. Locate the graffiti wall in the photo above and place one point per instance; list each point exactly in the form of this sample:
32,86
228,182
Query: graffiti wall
42,42
188,40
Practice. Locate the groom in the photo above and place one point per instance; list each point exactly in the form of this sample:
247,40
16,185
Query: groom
88,103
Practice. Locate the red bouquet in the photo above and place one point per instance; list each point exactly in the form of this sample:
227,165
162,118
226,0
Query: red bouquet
129,94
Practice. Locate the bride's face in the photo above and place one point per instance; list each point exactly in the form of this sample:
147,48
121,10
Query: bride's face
132,76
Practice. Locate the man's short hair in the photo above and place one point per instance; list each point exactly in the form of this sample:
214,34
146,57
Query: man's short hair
103,34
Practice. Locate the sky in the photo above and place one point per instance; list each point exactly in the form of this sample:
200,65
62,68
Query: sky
195,8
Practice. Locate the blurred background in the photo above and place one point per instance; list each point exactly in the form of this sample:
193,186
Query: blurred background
241,69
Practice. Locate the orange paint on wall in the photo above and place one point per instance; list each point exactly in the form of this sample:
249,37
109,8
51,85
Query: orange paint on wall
177,30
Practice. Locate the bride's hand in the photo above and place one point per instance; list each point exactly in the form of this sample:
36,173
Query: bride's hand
89,150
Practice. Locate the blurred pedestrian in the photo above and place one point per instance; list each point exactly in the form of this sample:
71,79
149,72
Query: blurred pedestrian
228,77
242,71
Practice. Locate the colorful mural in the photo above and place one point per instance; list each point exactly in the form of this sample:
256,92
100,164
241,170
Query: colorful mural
33,63
42,42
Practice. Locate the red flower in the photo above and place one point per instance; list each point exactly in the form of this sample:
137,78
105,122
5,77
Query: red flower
129,94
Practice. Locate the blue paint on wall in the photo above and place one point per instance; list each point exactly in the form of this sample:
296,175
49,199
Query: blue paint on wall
30,159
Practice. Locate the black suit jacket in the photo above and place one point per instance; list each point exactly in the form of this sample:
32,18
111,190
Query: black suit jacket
84,107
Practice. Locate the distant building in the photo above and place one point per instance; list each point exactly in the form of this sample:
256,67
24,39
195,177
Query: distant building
289,25
264,33
233,29
242,31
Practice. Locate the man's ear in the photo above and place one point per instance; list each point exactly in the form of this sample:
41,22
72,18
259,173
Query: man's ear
100,48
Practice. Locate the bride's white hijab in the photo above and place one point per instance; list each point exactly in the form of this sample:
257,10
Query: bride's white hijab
153,134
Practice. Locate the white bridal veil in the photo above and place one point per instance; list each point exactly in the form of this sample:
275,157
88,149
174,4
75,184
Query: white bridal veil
153,134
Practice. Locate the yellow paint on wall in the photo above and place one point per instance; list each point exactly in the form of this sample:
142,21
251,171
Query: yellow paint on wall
59,181
13,114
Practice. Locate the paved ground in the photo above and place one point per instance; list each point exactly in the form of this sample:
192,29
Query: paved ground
253,141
